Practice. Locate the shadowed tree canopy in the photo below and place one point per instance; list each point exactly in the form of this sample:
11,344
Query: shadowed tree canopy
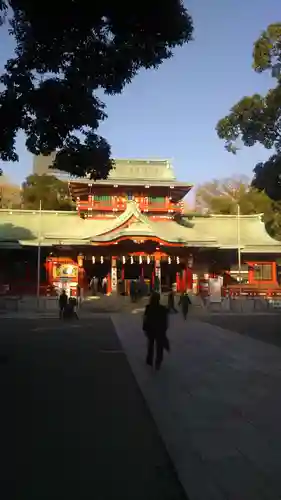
222,196
66,53
53,193
257,119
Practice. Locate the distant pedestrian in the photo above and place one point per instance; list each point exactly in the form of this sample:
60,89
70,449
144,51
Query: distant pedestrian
133,290
157,284
171,302
155,325
94,285
70,310
184,302
63,300
104,285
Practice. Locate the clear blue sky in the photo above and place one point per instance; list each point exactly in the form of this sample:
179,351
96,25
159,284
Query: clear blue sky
172,112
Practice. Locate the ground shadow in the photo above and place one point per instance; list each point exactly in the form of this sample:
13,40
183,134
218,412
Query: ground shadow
11,233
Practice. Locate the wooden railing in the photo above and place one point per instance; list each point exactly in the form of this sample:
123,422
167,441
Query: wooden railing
118,206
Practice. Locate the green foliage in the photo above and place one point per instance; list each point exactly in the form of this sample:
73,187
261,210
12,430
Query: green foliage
53,193
257,119
67,52
10,194
267,50
223,196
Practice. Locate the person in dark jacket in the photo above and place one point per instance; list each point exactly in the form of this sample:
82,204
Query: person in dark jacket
70,309
155,325
171,302
133,290
184,302
63,300
157,284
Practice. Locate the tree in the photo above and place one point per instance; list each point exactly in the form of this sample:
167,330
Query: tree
65,54
52,193
257,119
10,194
223,196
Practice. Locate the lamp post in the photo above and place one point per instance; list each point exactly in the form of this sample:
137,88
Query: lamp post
39,254
238,219
239,244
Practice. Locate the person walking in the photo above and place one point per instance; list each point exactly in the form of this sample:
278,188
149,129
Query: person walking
92,286
104,285
155,325
171,302
184,302
157,284
63,300
133,290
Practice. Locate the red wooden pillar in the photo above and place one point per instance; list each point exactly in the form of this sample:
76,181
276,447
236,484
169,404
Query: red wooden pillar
49,269
189,272
109,287
184,280
189,278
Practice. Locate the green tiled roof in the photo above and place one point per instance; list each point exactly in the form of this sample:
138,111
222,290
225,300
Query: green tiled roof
253,235
124,169
158,170
25,227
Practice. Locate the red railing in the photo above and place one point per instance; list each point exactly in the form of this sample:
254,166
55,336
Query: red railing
121,206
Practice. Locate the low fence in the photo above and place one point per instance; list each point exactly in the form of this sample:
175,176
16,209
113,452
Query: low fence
26,289
234,299
250,292
28,303
245,305
243,299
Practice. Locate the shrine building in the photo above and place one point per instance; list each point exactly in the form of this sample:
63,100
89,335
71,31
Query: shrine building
132,225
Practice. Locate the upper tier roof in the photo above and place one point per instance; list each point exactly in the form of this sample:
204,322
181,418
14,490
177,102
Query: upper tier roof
58,228
146,170
126,172
124,169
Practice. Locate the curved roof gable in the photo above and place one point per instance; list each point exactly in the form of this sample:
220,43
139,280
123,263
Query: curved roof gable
56,228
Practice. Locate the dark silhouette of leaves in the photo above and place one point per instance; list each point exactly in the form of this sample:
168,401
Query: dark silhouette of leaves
67,52
257,119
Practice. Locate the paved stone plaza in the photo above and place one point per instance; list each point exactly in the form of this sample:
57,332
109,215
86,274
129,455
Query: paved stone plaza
217,405
264,327
74,424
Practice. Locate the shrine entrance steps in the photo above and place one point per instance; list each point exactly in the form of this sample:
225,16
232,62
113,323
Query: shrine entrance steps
118,303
